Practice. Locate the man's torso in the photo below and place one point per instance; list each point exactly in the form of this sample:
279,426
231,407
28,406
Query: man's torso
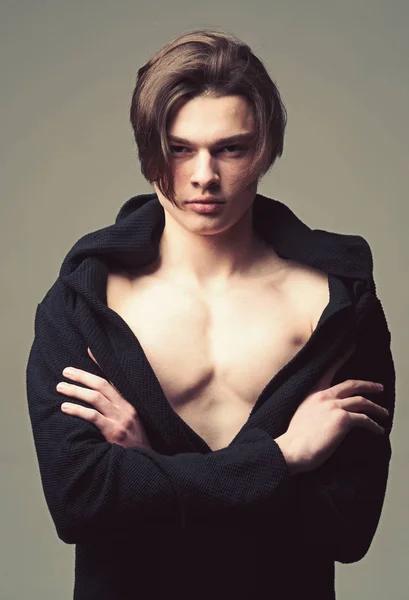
214,352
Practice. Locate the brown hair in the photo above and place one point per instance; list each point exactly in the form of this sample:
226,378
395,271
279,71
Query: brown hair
198,63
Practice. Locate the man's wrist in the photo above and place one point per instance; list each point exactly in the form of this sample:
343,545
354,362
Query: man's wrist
285,447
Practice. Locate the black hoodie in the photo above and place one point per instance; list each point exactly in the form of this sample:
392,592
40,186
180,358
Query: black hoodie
180,520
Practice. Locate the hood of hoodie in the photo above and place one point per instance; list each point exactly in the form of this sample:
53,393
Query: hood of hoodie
133,240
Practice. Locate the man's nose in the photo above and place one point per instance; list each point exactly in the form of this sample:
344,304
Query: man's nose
205,170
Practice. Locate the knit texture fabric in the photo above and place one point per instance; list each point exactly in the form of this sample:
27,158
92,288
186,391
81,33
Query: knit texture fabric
179,520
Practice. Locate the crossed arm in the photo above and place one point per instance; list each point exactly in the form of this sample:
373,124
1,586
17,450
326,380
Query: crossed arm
96,487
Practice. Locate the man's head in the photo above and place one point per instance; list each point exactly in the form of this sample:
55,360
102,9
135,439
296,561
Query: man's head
199,89
206,163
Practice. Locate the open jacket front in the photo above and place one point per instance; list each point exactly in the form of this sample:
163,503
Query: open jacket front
179,519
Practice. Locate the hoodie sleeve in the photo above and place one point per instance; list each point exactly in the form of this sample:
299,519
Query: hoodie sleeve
94,488
336,508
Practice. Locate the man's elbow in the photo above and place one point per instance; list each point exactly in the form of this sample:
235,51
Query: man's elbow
354,547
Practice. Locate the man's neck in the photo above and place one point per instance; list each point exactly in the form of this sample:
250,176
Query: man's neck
214,261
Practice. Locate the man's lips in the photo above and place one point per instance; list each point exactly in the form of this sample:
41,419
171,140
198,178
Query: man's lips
207,201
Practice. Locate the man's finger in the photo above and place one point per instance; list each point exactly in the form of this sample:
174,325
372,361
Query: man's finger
89,414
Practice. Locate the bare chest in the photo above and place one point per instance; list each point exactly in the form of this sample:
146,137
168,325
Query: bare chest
213,356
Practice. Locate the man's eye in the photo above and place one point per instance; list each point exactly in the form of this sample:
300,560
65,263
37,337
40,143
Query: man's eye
179,149
175,149
234,148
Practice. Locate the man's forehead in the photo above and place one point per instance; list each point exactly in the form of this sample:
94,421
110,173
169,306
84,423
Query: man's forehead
210,120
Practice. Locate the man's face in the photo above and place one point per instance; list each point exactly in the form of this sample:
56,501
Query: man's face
203,165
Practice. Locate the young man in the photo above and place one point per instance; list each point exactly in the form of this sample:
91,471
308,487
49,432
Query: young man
226,436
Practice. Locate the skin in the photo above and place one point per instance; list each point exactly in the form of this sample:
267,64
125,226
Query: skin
209,252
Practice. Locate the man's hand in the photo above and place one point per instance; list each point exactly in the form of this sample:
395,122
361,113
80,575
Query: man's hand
114,416
324,418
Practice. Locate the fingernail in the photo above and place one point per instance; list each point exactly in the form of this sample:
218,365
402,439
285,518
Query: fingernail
68,371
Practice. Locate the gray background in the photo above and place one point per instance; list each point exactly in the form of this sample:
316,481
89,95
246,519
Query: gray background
68,162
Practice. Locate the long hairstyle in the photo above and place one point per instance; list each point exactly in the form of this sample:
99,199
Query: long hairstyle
203,63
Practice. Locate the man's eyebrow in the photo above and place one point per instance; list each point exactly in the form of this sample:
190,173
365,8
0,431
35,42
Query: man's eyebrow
233,139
